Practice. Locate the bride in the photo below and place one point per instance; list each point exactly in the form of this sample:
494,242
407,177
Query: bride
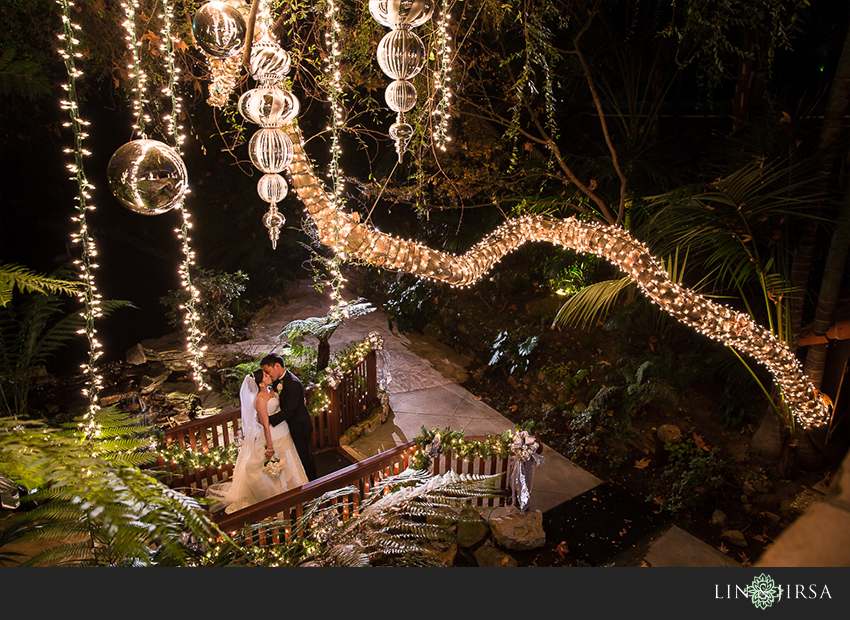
261,442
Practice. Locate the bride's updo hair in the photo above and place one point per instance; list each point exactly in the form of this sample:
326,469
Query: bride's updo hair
258,376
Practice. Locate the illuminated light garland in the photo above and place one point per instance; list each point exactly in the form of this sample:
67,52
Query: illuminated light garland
434,443
136,73
442,78
344,234
335,95
192,318
86,265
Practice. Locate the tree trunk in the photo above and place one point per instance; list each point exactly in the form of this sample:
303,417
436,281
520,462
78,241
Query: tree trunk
323,355
743,87
833,274
830,134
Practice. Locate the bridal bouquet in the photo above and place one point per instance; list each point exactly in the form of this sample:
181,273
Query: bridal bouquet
273,467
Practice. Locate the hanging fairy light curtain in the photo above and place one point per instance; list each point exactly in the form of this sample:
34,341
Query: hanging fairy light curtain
149,177
86,264
401,56
442,79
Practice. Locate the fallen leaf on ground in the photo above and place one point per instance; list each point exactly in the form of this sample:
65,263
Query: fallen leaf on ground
700,443
723,548
641,464
562,549
745,560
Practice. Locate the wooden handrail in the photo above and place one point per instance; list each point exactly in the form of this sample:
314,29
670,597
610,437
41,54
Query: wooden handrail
286,508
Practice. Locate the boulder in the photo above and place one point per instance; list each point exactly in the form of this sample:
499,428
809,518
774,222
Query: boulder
488,556
736,537
668,432
517,530
718,518
471,528
443,551
136,355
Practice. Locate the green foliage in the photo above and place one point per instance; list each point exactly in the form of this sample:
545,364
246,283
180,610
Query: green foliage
27,281
513,353
92,505
219,292
298,357
33,329
691,476
409,305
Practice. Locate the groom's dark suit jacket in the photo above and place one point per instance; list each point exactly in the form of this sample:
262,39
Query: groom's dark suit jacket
293,409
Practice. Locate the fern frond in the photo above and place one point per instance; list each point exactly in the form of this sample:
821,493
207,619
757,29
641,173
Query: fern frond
591,304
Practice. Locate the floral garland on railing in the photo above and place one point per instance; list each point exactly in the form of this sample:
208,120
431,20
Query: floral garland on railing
343,362
433,443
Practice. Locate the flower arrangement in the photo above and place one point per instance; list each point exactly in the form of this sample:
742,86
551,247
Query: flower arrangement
272,467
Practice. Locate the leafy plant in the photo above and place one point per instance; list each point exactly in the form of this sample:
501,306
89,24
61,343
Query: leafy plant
691,476
33,329
512,353
27,281
322,328
298,357
219,291
407,305
92,504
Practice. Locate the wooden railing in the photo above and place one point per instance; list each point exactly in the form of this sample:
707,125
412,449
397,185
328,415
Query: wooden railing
358,388
285,509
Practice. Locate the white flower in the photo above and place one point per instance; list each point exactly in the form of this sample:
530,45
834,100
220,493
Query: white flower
273,467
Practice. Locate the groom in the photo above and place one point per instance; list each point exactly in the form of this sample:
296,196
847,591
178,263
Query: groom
293,409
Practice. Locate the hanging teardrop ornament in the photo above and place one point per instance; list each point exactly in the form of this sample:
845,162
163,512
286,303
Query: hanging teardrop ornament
273,220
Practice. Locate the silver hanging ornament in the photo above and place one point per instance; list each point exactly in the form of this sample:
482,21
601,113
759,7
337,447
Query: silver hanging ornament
400,96
272,188
147,176
401,54
401,132
273,220
270,150
398,14
268,107
269,62
220,29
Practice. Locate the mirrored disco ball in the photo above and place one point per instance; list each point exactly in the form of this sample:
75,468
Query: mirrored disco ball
219,29
270,150
272,188
401,54
260,26
397,14
147,176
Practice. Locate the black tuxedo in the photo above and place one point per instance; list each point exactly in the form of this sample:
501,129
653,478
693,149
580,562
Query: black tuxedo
293,411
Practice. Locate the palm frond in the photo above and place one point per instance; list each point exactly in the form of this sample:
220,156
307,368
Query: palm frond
591,304
14,276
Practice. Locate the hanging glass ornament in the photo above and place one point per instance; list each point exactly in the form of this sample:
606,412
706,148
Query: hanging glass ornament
269,62
270,150
401,54
400,96
219,29
147,176
268,107
260,25
398,14
401,132
272,188
273,220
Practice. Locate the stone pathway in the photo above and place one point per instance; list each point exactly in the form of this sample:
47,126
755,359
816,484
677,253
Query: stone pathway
421,377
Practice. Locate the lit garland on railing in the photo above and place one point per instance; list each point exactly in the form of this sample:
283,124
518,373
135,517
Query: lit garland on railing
442,78
216,456
433,443
89,295
342,363
346,236
194,335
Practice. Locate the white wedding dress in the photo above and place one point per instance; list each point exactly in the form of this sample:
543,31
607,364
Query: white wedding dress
249,484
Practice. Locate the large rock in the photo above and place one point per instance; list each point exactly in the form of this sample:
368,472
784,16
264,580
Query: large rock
736,537
488,556
445,552
766,442
517,530
136,355
471,528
